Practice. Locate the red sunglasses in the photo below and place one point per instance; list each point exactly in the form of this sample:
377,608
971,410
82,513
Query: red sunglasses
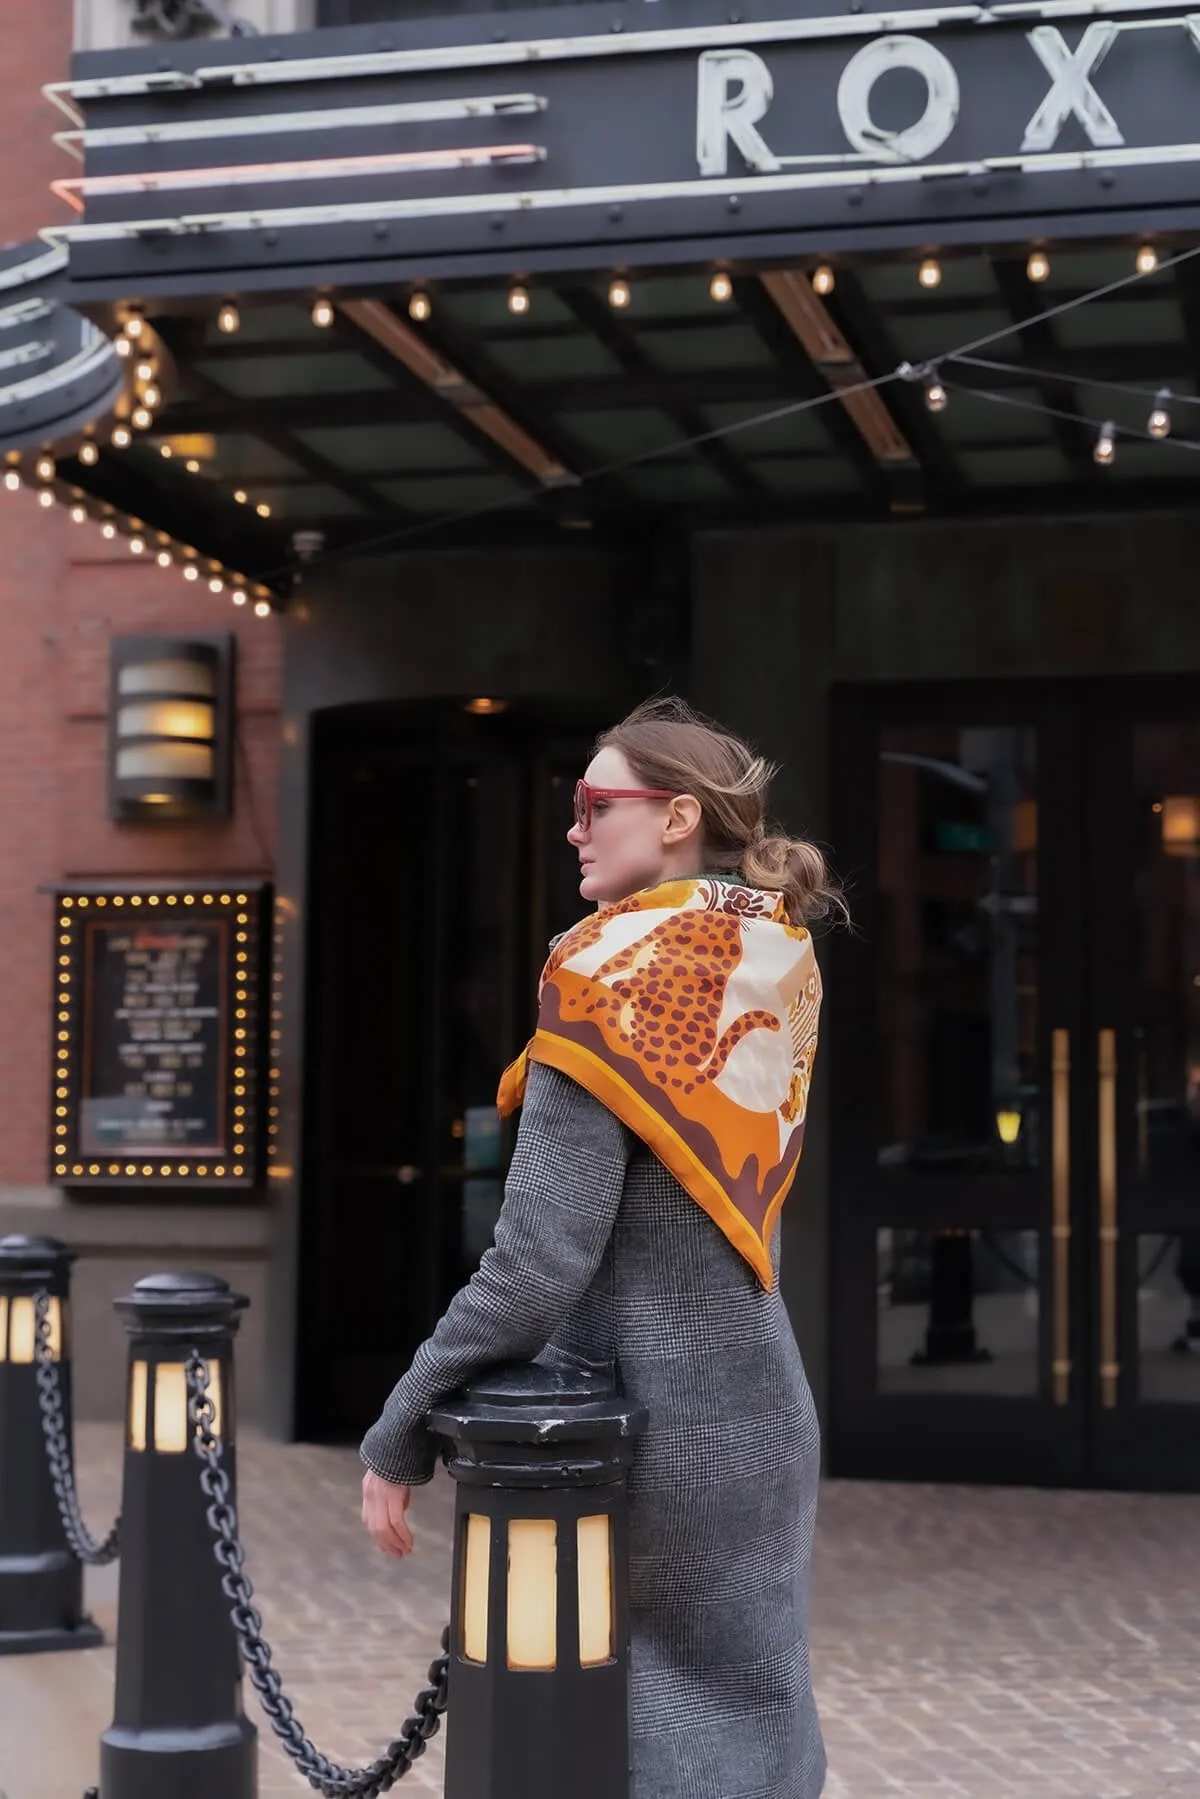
586,795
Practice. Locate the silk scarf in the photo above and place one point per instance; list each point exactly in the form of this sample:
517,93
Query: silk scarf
690,1010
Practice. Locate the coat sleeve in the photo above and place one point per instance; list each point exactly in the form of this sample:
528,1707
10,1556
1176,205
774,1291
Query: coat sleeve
560,1204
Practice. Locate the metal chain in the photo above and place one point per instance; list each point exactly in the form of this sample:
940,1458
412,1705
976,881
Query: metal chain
326,1776
58,1449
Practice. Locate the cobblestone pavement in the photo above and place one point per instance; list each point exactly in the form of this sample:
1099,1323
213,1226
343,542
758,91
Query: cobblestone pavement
967,1643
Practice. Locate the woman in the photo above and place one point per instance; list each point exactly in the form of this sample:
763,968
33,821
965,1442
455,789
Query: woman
664,1097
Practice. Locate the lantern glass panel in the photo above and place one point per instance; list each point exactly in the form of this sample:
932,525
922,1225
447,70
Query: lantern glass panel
476,1577
595,1591
168,675
172,1430
169,761
137,1406
532,1593
22,1329
167,718
3,1327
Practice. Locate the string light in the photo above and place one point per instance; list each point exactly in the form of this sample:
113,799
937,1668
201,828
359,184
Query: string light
935,395
135,324
262,608
519,301
322,314
1038,266
122,437
45,469
229,319
163,559
141,418
239,596
151,396
1106,445
144,371
262,509
123,347
89,455
619,295
824,280
45,498
78,514
930,272
720,288
136,546
1159,423
12,480
420,307
1147,260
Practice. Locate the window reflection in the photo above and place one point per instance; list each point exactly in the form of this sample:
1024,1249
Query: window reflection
957,1311
957,949
1168,1315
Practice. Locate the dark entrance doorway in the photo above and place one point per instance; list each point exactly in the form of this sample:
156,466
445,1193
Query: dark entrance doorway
1016,1274
440,870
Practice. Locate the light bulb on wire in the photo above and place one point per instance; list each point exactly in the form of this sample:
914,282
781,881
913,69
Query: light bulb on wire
1159,423
420,307
1146,261
135,324
229,319
122,437
823,280
720,288
519,303
1105,451
936,397
1038,266
322,313
89,455
930,272
619,295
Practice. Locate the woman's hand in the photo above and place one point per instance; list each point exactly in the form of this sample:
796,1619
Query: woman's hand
383,1512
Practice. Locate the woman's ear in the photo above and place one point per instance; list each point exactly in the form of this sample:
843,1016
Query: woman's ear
683,819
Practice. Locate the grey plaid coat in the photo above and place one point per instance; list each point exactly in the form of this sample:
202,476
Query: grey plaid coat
601,1260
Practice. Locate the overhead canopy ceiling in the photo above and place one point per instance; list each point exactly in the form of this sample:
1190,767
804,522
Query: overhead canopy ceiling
478,423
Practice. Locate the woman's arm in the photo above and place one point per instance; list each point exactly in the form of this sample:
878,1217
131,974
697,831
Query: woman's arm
560,1202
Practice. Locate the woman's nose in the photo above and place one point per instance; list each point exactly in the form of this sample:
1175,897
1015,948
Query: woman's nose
576,835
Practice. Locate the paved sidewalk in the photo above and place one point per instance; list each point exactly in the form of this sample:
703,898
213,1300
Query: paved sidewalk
968,1643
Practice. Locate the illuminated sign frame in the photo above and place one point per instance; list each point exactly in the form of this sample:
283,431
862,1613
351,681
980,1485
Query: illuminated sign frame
235,1159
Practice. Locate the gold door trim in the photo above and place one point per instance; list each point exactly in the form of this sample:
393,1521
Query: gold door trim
1110,1368
1060,1062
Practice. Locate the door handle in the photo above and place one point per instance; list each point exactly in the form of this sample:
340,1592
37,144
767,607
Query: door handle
1060,1064
1106,1062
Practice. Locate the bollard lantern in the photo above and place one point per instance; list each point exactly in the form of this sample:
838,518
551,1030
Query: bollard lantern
539,1634
178,1729
41,1580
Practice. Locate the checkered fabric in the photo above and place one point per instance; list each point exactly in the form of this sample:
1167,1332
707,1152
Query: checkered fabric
601,1260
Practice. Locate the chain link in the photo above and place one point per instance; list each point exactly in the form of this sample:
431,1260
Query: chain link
58,1449
326,1776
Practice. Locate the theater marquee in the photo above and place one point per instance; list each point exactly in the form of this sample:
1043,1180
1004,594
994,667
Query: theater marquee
647,129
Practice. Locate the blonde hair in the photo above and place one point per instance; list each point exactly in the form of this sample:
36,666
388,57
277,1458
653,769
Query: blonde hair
668,745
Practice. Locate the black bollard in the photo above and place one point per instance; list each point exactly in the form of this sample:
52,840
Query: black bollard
950,1336
41,1580
178,1729
539,1634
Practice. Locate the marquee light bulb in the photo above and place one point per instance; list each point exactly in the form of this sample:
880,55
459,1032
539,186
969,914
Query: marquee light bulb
229,319
164,559
1106,445
721,287
78,514
136,545
1147,260
45,498
45,469
824,280
262,608
239,596
89,455
142,418
12,480
619,295
216,585
191,572
192,466
166,451
519,301
262,509
151,396
144,371
122,437
1038,266
1159,422
930,272
322,314
420,307
123,347
135,324
108,530
936,396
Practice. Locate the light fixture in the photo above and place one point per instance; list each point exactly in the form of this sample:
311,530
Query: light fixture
241,496
262,608
45,498
165,450
12,480
136,545
191,572
170,739
89,455
322,313
484,707
192,466
144,371
78,515
935,395
239,596
1181,825
930,272
142,418
135,324
519,301
151,396
1159,423
420,307
619,295
1038,266
262,509
163,559
823,280
1008,1125
228,318
1146,261
122,437
216,585
720,288
45,469
1106,445
108,529
123,347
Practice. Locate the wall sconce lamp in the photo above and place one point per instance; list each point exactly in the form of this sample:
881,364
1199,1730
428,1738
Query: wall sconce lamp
1181,825
170,728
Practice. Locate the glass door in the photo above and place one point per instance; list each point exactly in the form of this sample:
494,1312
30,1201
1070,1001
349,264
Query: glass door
1016,1085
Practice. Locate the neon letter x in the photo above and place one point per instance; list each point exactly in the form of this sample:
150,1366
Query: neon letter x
1072,92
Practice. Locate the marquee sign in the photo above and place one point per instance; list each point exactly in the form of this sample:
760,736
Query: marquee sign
643,124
